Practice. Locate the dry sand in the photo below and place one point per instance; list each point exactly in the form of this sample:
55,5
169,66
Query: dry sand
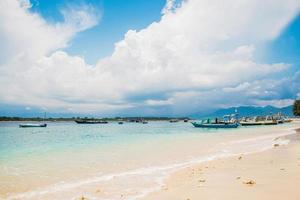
270,175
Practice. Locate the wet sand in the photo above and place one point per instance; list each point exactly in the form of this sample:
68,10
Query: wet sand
270,175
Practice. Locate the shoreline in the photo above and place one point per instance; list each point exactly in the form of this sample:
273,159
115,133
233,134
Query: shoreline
174,176
270,174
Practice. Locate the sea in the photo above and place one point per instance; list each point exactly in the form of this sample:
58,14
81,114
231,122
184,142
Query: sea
69,161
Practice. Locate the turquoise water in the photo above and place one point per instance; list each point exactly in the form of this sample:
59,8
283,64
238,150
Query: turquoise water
66,160
21,142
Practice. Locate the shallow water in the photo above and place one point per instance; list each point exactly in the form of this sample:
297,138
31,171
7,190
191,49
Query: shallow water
112,161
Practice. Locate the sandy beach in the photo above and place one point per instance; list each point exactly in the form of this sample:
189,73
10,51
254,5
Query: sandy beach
272,174
260,162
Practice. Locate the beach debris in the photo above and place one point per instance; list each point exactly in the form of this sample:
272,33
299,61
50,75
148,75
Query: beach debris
98,191
164,187
282,169
277,138
238,177
250,182
240,157
202,180
276,145
83,198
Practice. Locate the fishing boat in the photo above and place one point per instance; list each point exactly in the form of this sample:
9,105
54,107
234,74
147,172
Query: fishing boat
253,123
257,121
228,121
174,120
214,125
89,121
120,122
32,125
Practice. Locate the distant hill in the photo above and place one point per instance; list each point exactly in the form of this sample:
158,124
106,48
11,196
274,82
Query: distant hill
247,111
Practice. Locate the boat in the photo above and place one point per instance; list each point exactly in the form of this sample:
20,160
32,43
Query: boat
253,123
228,121
35,125
32,125
215,125
90,121
259,120
174,120
185,120
120,122
145,122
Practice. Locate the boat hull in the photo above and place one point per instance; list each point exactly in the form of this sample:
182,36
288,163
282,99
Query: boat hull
229,125
32,125
257,123
90,122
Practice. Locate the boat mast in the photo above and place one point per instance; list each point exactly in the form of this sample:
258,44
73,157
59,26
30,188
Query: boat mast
44,117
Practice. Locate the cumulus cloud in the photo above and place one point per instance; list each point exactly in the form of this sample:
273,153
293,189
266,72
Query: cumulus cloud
24,34
199,53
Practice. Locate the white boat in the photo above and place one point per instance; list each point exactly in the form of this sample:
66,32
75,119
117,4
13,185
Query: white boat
32,125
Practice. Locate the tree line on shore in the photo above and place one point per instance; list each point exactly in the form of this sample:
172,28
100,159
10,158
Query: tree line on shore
296,112
296,108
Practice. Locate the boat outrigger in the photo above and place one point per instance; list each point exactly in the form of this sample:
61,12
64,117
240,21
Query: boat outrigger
229,121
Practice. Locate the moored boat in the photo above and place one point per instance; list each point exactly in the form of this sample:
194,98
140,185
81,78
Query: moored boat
215,125
253,123
32,125
259,120
228,121
88,121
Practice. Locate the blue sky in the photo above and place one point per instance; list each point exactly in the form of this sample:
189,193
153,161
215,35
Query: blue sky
117,17
286,47
142,57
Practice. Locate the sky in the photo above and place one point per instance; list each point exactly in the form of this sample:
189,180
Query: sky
147,58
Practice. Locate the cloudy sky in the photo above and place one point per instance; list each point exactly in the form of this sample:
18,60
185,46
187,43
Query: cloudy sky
140,57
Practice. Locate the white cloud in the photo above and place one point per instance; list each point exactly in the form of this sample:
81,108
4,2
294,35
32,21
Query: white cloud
198,52
24,34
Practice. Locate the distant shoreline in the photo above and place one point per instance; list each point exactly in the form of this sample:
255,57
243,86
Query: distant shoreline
20,119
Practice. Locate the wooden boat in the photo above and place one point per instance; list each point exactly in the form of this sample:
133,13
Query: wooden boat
261,120
88,121
257,123
32,125
145,122
228,121
174,120
120,122
215,125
